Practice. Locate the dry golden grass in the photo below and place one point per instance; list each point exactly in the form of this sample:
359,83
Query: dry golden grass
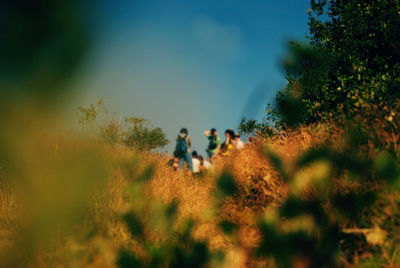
194,195
99,235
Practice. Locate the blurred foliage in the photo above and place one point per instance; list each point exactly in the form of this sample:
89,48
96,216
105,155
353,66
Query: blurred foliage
41,44
51,192
308,226
132,132
226,185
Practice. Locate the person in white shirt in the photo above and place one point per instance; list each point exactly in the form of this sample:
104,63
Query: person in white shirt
238,142
195,163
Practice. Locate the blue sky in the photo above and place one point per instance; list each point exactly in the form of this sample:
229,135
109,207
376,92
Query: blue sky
193,64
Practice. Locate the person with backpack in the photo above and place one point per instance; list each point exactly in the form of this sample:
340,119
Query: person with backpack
214,142
182,150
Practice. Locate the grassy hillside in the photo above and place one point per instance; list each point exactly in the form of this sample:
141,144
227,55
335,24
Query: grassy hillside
302,198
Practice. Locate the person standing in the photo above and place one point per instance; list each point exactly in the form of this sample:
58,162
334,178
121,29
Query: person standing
182,150
214,142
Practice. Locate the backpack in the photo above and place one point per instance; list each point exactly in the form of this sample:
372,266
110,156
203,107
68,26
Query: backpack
181,146
213,143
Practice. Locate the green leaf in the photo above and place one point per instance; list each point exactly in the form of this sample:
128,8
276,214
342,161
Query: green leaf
134,224
227,227
127,259
226,184
387,168
314,154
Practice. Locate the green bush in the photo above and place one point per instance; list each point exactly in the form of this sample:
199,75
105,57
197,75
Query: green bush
140,136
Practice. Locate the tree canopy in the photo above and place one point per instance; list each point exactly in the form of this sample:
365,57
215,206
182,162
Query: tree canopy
351,65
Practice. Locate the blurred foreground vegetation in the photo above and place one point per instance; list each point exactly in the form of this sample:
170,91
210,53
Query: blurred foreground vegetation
318,187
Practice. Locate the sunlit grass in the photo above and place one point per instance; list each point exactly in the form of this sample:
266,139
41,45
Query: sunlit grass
74,201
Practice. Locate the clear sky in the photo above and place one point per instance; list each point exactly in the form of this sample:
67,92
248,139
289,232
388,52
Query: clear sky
193,64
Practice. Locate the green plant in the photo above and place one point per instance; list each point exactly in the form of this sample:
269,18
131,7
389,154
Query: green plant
139,135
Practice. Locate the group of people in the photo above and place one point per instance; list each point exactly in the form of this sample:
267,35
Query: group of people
196,164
